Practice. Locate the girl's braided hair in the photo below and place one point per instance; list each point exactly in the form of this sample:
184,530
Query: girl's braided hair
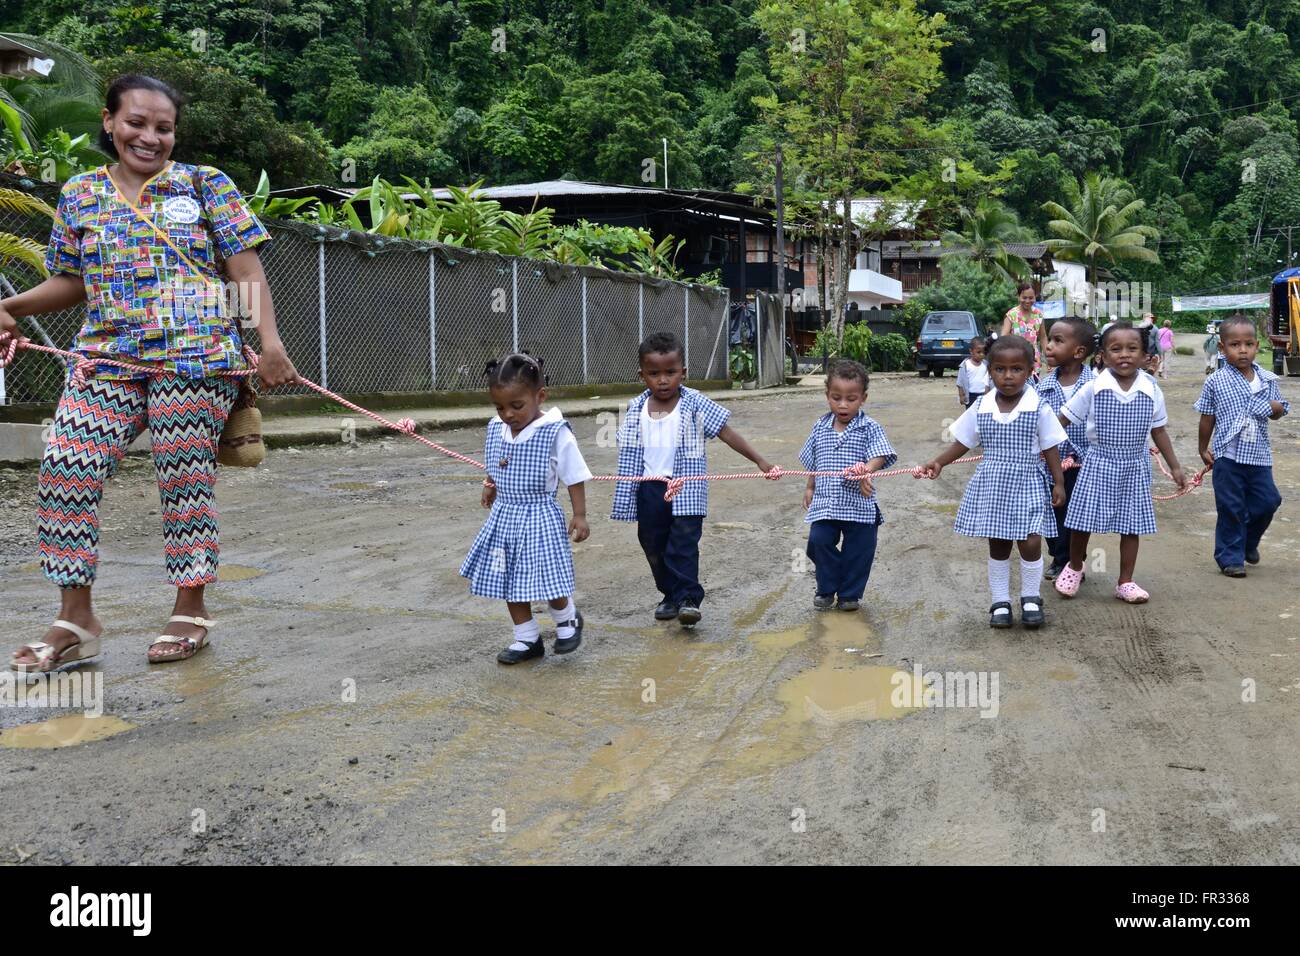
516,367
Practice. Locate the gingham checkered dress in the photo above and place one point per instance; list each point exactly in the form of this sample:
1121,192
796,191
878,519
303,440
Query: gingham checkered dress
522,552
1053,392
1113,491
1008,497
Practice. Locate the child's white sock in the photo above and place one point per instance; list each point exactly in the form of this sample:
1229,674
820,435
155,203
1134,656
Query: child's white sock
566,614
1000,579
1031,577
526,635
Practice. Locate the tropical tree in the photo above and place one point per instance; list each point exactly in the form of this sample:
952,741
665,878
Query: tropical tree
19,249
986,230
1098,223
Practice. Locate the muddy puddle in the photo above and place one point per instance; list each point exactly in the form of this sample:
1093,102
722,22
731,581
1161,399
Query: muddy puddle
67,731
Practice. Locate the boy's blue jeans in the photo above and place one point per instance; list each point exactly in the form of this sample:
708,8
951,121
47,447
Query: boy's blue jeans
671,544
842,570
1246,498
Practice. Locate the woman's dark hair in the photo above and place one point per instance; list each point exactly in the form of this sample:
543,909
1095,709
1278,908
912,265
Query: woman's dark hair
513,368
1123,325
661,343
849,371
133,81
1022,285
1011,343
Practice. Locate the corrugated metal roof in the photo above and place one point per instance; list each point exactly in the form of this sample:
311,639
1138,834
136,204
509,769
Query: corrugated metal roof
1025,250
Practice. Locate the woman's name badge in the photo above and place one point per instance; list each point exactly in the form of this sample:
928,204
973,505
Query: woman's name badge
181,209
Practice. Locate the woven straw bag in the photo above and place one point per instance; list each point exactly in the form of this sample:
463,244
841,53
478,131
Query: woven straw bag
241,444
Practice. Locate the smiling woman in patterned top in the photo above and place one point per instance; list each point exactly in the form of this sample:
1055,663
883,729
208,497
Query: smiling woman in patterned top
146,243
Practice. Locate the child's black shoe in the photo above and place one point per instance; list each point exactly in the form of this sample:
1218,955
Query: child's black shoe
689,615
1000,615
849,605
1252,557
666,611
1051,573
1031,612
563,645
535,649
823,602
1234,571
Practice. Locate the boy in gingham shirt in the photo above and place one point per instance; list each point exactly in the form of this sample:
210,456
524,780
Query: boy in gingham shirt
1236,404
662,437
844,508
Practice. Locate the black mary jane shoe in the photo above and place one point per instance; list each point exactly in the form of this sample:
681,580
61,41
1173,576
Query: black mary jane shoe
666,611
823,602
1032,618
564,645
1000,615
689,615
1252,557
535,649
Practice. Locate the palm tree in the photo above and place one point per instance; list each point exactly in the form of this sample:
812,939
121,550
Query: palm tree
1099,224
19,249
986,230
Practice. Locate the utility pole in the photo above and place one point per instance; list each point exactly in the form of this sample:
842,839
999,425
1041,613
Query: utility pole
780,235
665,139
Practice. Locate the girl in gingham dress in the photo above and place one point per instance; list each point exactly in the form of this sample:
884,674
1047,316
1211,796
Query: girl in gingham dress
1008,498
1121,407
522,552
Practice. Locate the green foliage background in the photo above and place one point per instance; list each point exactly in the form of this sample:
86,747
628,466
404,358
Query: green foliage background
1194,103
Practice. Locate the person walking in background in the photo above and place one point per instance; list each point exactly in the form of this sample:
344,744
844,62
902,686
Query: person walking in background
1026,321
1166,348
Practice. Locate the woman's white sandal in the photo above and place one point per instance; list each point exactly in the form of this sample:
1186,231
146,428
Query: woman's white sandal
50,660
189,645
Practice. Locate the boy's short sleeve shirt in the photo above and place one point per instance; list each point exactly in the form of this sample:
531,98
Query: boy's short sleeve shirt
836,498
701,419
1241,413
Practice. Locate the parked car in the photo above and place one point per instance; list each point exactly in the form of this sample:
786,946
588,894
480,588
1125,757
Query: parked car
944,340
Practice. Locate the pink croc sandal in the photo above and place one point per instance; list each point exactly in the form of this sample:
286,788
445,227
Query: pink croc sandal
1068,581
1130,593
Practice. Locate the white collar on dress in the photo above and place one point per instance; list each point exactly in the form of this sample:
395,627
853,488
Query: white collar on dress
1143,383
1028,402
546,418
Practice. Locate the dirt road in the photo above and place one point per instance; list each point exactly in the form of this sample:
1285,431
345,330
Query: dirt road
1120,734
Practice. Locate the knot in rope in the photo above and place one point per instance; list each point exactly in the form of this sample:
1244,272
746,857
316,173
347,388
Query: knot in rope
406,425
674,485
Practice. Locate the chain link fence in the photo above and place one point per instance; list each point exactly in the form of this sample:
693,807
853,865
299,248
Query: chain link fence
360,313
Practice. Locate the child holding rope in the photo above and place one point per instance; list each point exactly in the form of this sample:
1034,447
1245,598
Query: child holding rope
662,438
522,552
1069,343
843,509
1112,495
1236,404
1007,499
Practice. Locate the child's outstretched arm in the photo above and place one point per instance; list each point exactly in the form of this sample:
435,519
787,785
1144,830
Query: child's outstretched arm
934,466
1161,438
578,523
736,441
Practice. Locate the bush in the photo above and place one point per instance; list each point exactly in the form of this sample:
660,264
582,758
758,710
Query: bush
889,353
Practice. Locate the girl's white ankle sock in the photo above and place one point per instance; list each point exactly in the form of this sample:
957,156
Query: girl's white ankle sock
526,635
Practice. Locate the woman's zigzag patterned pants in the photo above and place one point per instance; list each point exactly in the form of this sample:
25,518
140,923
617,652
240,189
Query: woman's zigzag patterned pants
92,428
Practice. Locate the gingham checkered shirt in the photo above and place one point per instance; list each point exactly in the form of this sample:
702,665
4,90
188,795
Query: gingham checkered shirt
701,419
839,499
1240,413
